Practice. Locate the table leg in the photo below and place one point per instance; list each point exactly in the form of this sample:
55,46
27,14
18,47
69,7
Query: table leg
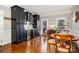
70,49
56,47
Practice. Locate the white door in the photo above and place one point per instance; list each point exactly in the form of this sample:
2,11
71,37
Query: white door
1,27
44,25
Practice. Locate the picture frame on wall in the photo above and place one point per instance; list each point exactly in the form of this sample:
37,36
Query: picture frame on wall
61,22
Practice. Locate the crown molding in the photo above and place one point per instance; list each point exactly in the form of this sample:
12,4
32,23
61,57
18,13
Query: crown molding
56,13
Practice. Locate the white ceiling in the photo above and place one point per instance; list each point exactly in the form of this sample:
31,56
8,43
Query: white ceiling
45,10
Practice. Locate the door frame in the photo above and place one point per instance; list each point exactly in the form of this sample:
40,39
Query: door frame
41,33
2,28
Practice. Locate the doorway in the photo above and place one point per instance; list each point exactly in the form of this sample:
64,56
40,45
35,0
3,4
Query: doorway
44,26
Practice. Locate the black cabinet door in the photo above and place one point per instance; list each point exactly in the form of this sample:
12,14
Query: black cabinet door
34,23
18,33
35,19
13,30
28,17
31,33
25,32
22,32
17,13
23,17
19,16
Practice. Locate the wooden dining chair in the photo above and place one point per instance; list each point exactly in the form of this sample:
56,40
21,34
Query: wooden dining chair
65,42
51,41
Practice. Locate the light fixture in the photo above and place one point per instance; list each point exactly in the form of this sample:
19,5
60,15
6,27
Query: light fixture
75,16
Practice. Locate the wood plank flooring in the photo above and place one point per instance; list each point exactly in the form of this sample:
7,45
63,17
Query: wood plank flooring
35,45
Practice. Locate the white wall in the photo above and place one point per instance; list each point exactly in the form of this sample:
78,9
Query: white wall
53,18
75,26
7,11
7,24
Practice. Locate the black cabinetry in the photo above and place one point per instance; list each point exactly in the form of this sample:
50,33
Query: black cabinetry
35,19
28,17
18,20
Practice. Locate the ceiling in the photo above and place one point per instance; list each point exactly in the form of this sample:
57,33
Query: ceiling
45,10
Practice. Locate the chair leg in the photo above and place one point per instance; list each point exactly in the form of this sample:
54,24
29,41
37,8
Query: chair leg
49,47
56,49
69,50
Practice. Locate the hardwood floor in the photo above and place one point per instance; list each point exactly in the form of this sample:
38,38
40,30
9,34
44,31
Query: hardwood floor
35,45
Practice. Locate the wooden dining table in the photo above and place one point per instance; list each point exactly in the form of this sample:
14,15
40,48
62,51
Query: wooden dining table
64,38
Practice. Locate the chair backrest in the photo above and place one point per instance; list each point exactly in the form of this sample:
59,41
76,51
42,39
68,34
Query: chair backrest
49,32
